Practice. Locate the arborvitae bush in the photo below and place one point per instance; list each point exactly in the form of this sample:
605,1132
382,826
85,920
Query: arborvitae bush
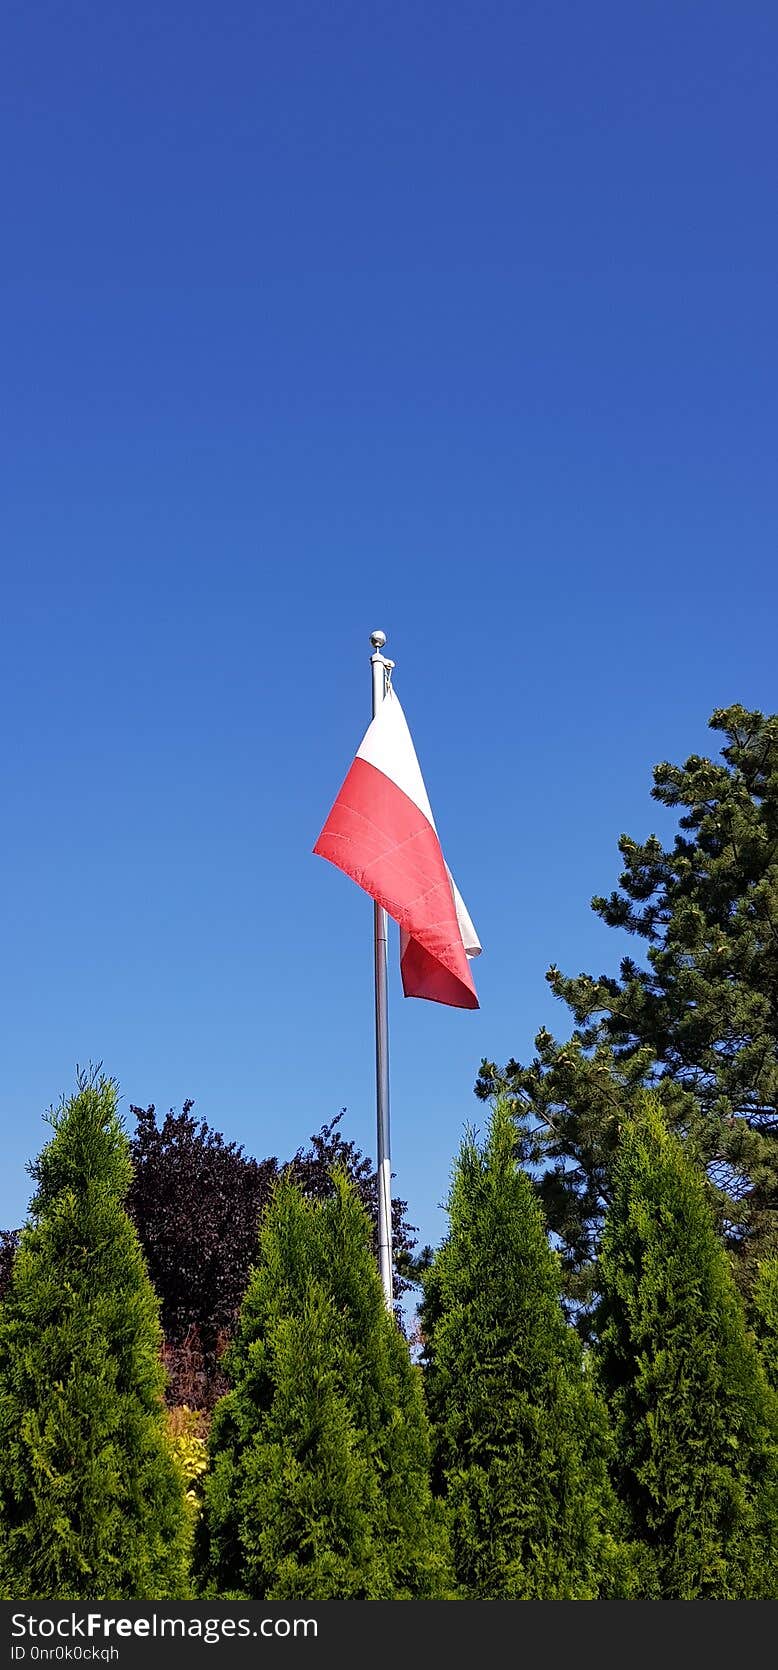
695,1422
765,1317
318,1485
521,1437
9,1241
91,1498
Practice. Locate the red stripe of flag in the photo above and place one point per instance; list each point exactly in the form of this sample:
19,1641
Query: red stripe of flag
380,837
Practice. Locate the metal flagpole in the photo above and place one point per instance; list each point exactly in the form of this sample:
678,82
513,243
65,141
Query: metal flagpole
380,670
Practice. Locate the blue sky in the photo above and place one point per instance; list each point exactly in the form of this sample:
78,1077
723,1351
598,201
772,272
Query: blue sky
456,320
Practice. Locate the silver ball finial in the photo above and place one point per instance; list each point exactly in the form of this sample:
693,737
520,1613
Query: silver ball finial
378,639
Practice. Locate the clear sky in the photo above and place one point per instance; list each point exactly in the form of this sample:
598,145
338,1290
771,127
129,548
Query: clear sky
454,319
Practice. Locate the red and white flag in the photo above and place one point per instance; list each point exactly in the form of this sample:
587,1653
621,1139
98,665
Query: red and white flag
381,832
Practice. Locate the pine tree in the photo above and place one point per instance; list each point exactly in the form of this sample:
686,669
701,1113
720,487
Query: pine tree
695,1423
698,1023
319,1480
521,1437
91,1500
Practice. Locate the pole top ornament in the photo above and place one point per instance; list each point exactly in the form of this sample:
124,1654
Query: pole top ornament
378,639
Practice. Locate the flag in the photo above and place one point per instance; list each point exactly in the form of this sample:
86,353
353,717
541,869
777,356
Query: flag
381,832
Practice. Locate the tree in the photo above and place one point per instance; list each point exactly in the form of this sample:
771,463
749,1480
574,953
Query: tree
314,1168
695,1422
521,1438
91,1499
319,1480
9,1241
765,1317
698,1024
197,1200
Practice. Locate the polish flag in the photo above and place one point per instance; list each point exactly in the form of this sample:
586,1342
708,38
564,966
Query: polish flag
381,832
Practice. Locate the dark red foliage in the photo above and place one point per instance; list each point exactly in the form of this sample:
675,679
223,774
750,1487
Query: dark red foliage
194,1376
196,1201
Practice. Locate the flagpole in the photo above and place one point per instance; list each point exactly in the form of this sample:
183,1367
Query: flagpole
380,667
